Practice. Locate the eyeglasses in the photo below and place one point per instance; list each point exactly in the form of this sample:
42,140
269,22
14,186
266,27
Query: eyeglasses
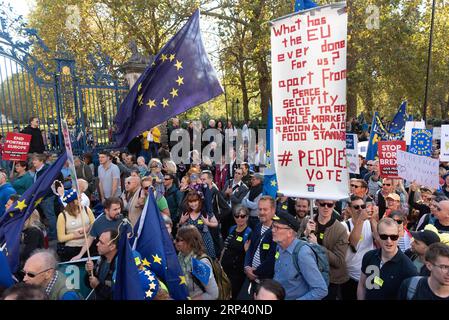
146,188
393,237
355,186
387,184
33,275
326,204
276,227
443,267
241,216
398,221
357,207
168,179
153,167
370,164
179,239
239,173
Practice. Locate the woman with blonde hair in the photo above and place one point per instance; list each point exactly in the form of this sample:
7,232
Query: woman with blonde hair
71,225
190,245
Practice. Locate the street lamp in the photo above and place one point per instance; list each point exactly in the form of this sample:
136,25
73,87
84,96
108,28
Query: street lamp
429,56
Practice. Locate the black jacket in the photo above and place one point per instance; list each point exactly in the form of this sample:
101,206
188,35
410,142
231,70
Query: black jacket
37,141
104,289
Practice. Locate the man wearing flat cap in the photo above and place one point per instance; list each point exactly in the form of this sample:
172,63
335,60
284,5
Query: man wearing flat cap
419,246
307,283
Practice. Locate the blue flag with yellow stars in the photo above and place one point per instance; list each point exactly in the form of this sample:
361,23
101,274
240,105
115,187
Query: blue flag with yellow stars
379,133
6,279
201,271
180,78
399,120
304,5
11,223
157,250
270,184
421,142
128,285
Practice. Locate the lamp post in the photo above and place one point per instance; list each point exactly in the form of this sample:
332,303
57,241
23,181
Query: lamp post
429,58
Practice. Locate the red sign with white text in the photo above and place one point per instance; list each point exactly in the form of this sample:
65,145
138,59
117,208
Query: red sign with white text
16,146
387,157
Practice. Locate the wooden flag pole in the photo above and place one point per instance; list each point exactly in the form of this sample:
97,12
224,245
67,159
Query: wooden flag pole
68,147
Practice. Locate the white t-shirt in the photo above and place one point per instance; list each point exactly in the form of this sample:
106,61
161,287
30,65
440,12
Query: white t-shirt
354,260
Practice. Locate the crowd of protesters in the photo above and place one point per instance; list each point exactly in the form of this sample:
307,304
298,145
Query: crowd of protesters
388,240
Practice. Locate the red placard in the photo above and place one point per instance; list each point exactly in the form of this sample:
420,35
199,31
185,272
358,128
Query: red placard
16,146
387,157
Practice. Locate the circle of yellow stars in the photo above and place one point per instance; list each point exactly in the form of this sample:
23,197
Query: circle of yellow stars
152,103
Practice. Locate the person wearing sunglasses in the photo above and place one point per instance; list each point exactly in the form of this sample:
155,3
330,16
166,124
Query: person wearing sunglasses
190,245
130,197
405,237
435,286
252,198
235,246
260,257
361,228
296,267
384,269
372,178
327,231
380,197
41,269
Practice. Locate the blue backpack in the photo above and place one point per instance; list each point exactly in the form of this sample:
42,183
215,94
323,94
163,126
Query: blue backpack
320,255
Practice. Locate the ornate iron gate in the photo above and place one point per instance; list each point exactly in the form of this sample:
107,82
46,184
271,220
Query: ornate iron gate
51,89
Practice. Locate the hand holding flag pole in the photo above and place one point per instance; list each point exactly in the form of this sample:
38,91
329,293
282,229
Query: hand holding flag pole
68,147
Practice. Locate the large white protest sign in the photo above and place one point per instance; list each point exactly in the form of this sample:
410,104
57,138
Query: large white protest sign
309,102
436,133
444,151
423,170
409,125
352,153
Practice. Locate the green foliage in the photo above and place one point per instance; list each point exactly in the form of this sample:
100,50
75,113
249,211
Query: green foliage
386,64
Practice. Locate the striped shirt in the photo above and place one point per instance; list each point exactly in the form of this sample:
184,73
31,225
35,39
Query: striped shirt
256,258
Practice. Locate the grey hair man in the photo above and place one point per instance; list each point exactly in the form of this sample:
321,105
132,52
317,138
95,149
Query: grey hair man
41,269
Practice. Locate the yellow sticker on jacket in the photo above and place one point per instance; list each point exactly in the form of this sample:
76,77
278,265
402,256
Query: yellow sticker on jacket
266,246
200,222
321,236
239,239
361,237
277,255
284,207
378,281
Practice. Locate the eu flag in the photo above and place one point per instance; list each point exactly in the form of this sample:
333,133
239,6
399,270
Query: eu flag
156,248
380,133
270,184
11,223
304,5
127,284
6,279
201,271
399,120
180,78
